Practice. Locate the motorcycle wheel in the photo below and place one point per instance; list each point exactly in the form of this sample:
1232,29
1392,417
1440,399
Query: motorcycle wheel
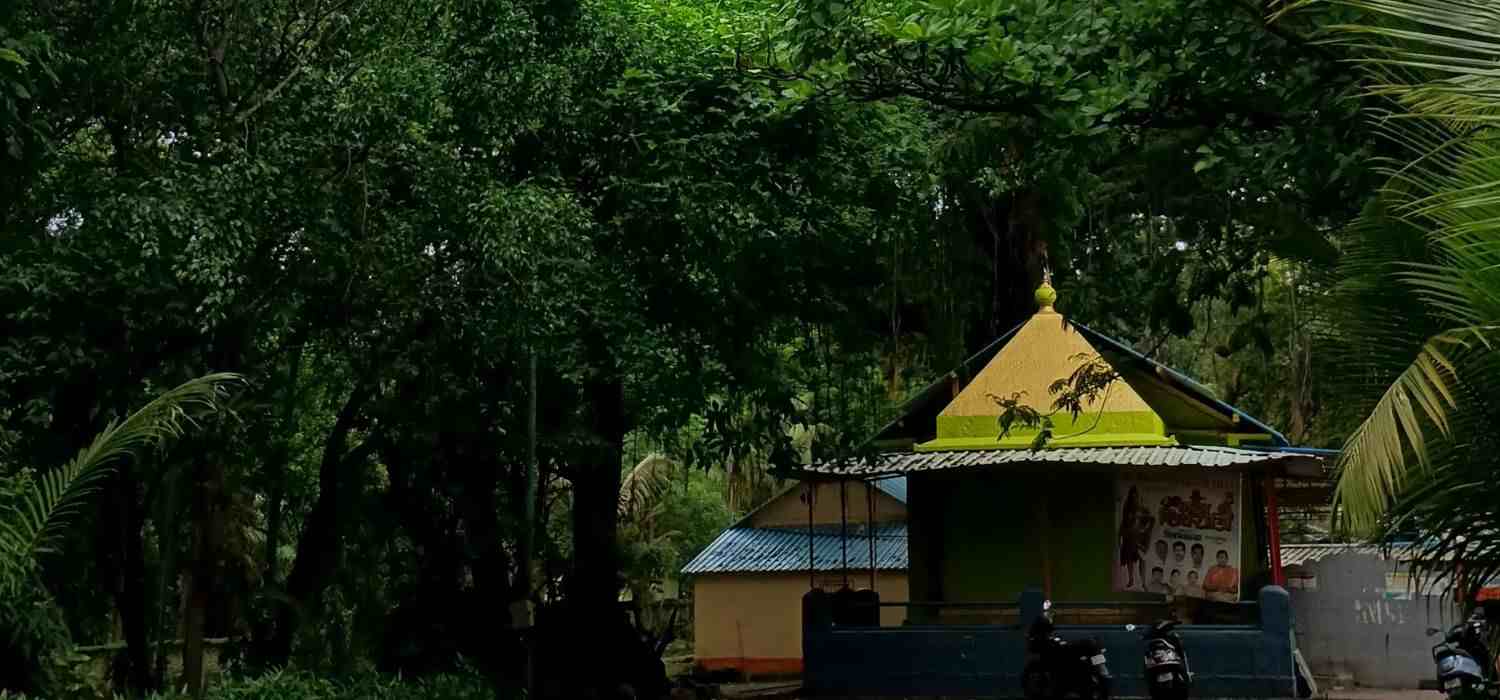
1036,682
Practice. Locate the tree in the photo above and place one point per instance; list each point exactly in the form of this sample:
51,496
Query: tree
38,520
1419,294
1094,139
382,213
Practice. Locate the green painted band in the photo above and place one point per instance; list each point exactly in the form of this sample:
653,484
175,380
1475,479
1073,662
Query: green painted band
1012,442
1064,425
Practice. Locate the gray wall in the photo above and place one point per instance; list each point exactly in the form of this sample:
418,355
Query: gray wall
1347,628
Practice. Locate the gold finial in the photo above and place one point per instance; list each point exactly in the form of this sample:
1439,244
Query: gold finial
1045,295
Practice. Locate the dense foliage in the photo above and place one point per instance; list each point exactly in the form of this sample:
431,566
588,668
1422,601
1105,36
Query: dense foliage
299,686
733,235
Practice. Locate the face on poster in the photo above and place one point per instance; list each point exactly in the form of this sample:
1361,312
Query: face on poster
1178,536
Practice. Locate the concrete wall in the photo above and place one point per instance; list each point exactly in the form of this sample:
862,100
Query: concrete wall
753,622
1348,628
790,510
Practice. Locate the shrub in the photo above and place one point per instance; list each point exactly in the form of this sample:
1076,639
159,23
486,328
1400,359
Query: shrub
296,685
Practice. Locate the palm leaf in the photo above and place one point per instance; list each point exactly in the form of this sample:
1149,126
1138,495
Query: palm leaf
1436,58
1408,464
645,484
1373,465
39,521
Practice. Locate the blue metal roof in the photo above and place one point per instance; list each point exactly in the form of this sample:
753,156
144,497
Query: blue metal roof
756,550
895,488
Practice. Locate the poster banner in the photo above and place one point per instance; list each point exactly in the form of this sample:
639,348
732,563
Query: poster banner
1178,536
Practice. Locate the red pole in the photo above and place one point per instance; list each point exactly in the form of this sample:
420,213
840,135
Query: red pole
1273,527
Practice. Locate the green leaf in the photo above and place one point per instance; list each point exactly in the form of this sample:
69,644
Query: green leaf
61,495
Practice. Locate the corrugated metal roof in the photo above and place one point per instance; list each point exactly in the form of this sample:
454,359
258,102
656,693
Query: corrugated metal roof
1293,554
1308,553
747,550
1174,456
894,487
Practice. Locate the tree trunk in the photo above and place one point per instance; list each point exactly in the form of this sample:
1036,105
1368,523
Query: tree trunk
321,545
480,512
595,583
208,528
124,563
133,605
526,504
1009,233
276,496
263,627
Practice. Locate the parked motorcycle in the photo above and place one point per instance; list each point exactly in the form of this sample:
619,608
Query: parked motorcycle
1058,668
1168,676
1465,668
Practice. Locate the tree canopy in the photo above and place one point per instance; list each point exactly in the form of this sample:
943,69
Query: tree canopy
736,234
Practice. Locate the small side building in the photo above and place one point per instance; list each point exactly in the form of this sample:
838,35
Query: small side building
748,584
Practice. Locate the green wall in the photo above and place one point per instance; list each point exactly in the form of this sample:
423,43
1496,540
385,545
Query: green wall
989,551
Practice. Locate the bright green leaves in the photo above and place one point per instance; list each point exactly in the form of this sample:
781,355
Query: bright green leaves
1208,159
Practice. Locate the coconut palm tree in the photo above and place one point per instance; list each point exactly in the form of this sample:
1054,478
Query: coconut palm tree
1421,287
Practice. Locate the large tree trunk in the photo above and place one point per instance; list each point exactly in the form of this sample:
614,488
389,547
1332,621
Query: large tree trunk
133,605
276,497
123,562
593,587
1009,234
593,584
264,626
207,539
321,544
490,565
320,547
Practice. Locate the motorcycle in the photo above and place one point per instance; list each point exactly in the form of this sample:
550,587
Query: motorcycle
1464,663
1058,668
1168,676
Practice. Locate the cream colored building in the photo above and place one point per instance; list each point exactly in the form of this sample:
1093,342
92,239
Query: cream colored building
748,584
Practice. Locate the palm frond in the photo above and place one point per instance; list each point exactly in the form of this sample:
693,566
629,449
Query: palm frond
1435,58
39,521
644,485
1421,289
1373,466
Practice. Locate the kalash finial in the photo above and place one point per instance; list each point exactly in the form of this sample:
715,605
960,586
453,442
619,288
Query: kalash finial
1045,295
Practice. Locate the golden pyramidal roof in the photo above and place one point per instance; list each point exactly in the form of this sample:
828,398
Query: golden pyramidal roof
1045,360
